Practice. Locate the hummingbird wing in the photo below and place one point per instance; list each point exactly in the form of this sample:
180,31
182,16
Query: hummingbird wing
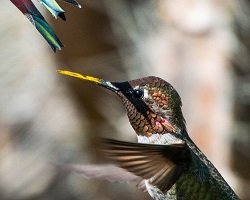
107,172
160,164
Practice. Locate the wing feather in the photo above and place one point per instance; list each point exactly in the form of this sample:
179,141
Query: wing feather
160,164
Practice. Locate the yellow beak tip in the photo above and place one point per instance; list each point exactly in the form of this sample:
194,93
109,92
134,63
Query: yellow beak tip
76,75
88,78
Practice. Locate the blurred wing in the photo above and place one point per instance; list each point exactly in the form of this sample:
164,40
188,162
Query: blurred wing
35,17
111,173
160,164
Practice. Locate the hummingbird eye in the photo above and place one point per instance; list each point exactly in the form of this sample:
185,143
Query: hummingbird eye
138,93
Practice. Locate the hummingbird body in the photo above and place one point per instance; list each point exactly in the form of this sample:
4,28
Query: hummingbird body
200,180
167,162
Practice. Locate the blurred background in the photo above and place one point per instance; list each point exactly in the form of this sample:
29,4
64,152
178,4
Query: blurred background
200,47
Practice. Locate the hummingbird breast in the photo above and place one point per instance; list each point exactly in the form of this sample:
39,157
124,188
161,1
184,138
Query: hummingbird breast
146,120
166,138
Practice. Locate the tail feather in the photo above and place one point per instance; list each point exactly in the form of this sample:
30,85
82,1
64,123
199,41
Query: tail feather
74,2
53,7
46,31
36,18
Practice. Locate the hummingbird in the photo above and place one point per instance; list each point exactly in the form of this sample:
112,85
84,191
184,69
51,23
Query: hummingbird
166,161
36,18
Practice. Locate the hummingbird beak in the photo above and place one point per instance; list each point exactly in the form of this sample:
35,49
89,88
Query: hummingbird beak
97,81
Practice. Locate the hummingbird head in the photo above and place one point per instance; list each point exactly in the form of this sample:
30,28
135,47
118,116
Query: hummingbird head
152,104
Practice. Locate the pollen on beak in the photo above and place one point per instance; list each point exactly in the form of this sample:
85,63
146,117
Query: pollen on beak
97,81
